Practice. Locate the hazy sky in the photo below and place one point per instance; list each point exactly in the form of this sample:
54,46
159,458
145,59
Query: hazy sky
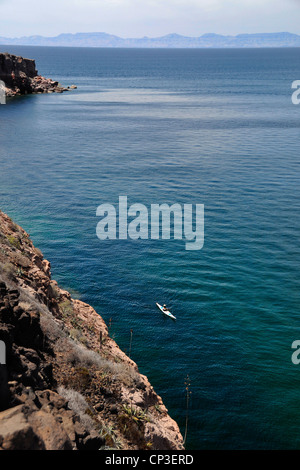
136,18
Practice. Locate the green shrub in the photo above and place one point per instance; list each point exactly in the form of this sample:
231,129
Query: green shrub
136,414
66,308
14,242
133,430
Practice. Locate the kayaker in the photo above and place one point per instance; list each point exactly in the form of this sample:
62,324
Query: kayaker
165,307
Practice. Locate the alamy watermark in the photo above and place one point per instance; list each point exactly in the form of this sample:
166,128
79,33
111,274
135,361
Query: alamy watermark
177,221
295,356
2,93
2,353
296,94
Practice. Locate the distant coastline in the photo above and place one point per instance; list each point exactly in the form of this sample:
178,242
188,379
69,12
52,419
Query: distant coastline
211,40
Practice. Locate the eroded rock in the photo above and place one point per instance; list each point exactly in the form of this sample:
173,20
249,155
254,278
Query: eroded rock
21,77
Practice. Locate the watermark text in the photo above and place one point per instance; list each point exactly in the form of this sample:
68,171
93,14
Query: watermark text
296,94
2,353
177,221
2,93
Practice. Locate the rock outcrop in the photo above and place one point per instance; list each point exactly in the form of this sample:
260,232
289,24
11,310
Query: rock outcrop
66,383
21,77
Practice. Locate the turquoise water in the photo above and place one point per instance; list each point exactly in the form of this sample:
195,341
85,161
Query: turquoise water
213,127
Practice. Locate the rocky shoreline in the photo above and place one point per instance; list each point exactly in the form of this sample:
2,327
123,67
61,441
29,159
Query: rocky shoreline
20,77
66,384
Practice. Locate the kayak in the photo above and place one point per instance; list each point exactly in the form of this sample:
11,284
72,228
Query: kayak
166,312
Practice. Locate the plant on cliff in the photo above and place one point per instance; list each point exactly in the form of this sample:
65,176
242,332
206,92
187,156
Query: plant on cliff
130,343
67,310
80,379
78,404
69,348
14,242
135,413
132,423
8,271
188,393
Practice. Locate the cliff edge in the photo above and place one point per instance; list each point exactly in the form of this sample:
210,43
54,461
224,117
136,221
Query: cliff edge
65,384
20,77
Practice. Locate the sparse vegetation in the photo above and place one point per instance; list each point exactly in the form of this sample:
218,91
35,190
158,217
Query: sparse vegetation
77,355
20,272
80,379
14,242
78,404
9,270
135,413
132,422
66,308
158,409
112,441
188,393
92,374
130,343
75,334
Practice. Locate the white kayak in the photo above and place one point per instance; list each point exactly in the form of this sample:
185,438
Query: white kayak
166,312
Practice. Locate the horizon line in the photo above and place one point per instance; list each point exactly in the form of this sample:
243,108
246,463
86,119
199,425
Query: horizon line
150,37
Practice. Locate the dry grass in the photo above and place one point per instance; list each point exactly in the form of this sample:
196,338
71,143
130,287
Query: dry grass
8,271
78,404
78,355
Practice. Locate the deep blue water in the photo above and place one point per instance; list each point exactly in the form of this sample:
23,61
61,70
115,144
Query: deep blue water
213,127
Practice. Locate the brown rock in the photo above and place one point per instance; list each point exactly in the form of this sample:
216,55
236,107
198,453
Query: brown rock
21,77
16,433
50,431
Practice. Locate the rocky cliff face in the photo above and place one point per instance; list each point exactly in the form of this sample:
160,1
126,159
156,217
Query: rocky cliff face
21,77
66,384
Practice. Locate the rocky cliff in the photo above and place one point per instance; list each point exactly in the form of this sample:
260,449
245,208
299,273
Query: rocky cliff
21,77
66,384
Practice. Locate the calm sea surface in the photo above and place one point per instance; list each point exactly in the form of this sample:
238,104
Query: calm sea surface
213,127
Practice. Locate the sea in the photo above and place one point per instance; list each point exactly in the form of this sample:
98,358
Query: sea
188,126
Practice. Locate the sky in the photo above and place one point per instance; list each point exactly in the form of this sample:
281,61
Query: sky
138,18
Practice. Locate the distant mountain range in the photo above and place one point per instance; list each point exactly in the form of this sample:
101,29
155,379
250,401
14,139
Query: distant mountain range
168,41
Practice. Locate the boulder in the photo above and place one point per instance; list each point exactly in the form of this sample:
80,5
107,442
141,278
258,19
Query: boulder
16,433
